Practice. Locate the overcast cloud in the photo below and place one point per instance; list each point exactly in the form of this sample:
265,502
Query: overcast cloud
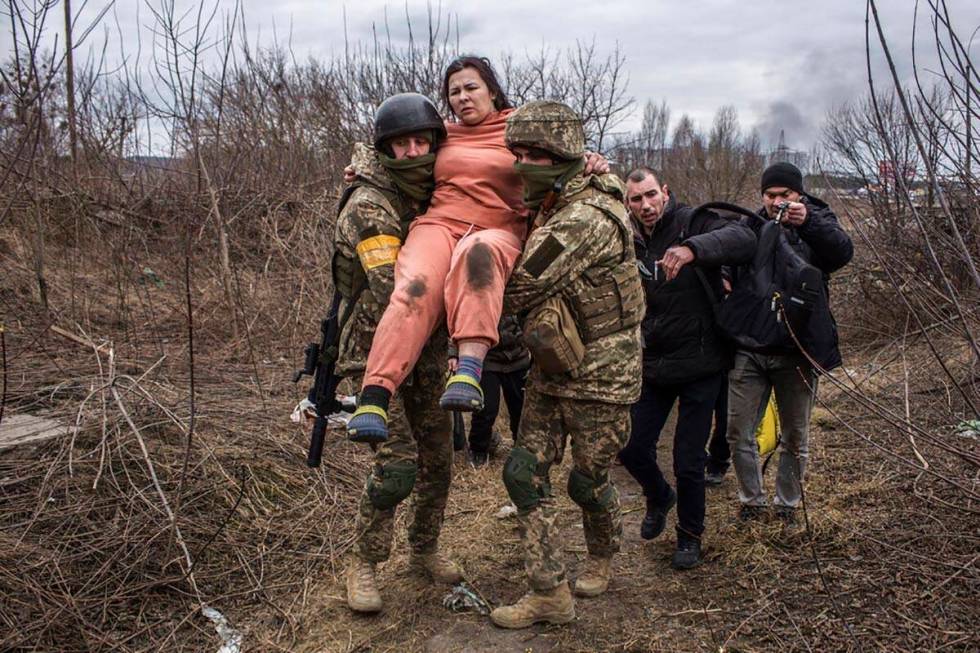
783,65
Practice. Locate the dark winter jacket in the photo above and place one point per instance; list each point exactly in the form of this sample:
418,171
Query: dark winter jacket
509,354
680,341
821,242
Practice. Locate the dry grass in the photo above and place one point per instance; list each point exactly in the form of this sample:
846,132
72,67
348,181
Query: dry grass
90,560
903,575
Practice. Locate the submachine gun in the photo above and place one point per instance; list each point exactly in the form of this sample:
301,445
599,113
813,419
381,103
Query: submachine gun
319,361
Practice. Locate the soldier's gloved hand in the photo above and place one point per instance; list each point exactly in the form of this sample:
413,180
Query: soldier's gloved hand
595,164
674,259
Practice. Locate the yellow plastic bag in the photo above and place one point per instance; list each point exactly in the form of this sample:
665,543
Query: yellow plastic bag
767,433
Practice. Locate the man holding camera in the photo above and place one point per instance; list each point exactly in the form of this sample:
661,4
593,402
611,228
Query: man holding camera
684,357
812,231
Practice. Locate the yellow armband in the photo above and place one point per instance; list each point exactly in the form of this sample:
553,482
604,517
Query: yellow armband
378,250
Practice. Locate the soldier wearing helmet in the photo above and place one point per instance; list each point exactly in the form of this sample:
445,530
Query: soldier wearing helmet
579,283
394,181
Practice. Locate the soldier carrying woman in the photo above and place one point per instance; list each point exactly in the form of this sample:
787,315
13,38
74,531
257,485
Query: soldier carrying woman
455,260
457,257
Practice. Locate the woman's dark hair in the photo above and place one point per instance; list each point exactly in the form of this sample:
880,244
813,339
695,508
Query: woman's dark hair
482,66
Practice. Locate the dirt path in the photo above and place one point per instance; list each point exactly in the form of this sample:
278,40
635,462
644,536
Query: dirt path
756,590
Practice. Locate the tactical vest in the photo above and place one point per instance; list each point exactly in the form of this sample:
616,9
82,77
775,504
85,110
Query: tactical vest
607,300
349,276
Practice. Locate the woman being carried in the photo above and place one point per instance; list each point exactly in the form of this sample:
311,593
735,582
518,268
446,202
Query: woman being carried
457,257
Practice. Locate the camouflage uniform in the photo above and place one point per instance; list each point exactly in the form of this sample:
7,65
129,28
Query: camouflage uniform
370,229
582,251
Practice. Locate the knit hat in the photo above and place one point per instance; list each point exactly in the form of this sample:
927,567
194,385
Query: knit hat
783,174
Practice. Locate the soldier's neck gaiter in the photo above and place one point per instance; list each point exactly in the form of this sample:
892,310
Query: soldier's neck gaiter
412,176
540,180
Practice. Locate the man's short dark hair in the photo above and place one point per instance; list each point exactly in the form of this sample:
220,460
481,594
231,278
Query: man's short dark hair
637,175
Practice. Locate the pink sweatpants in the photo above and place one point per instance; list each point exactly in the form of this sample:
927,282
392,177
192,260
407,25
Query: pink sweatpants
446,267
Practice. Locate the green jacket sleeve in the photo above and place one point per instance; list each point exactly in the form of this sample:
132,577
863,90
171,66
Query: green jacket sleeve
557,253
373,236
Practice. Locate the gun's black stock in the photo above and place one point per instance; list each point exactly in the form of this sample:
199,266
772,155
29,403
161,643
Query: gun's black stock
319,362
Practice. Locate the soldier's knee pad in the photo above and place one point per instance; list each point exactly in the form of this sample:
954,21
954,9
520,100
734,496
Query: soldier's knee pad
589,492
390,484
519,479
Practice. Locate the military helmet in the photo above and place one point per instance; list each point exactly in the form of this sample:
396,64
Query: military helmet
547,125
406,113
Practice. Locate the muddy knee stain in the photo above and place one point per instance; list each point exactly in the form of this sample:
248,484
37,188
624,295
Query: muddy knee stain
479,267
416,287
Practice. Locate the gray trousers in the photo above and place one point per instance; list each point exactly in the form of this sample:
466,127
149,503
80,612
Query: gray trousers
795,384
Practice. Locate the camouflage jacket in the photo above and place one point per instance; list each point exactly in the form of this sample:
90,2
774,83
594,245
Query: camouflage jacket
370,230
572,250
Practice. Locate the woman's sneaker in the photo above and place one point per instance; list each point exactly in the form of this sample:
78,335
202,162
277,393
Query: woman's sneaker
368,424
714,476
463,393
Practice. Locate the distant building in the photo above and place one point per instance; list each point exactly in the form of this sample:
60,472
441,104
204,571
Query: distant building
889,175
798,158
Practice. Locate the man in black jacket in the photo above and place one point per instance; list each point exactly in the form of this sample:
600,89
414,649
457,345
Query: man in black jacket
812,230
684,356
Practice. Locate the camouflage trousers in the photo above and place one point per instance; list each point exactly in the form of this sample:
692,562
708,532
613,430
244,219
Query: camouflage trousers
421,432
597,430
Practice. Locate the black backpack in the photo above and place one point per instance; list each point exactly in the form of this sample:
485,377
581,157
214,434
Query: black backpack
777,287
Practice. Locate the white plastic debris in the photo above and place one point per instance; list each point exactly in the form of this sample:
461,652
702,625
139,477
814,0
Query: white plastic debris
508,510
306,409
231,639
969,428
462,598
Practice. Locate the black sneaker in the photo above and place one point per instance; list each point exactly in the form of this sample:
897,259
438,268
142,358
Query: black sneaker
785,514
714,477
751,513
655,520
479,458
688,552
791,523
495,441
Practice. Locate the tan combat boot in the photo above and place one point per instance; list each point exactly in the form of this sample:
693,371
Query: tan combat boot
440,568
362,588
555,606
594,579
